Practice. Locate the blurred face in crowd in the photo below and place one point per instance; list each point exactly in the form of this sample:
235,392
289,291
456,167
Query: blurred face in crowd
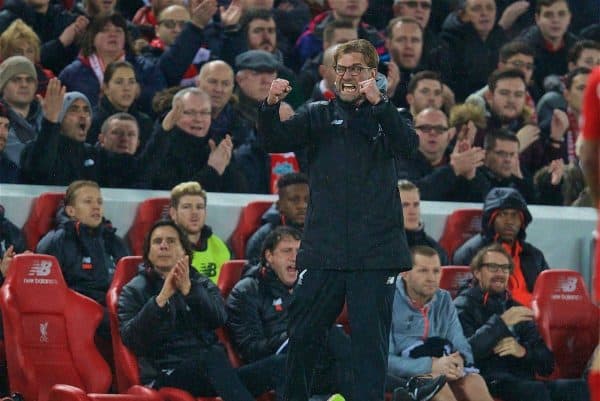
165,249
521,62
122,136
431,126
553,20
77,121
110,40
262,35
417,9
255,84
428,93
482,15
103,6
195,117
411,209
292,203
349,9
423,279
502,159
507,224
341,35
22,47
283,260
355,71
508,99
406,45
4,124
494,272
588,58
190,213
216,79
171,22
87,207
122,88
574,95
19,91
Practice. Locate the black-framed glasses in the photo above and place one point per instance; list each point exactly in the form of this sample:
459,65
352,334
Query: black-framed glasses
424,5
428,129
171,23
354,70
496,267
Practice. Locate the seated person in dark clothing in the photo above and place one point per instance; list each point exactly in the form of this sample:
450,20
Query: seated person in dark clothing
290,210
506,344
168,314
439,176
9,171
258,313
504,220
85,244
413,227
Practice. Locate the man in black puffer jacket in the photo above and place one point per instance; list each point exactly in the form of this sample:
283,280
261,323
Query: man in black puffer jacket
505,218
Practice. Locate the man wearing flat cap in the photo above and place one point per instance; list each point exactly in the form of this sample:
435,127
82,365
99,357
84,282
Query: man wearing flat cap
18,85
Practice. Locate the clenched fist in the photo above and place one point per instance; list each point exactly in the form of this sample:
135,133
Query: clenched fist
278,91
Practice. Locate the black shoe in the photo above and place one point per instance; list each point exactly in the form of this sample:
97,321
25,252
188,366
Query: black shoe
401,394
423,388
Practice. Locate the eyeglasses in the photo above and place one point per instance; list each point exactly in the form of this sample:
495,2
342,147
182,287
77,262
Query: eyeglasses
521,64
424,5
171,23
428,129
353,69
196,113
495,267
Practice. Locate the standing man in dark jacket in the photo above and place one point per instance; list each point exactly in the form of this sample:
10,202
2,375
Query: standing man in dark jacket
183,308
506,344
354,243
505,218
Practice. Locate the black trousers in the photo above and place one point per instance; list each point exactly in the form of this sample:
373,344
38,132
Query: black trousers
213,375
318,299
534,390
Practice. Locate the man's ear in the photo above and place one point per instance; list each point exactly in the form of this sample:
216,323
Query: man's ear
488,96
410,98
70,211
172,213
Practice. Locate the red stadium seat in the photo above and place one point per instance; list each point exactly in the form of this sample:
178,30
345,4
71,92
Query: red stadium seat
281,164
230,274
148,212
126,365
566,319
49,335
41,217
461,225
248,223
454,278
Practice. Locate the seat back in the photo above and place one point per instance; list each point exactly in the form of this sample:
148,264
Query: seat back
281,164
230,274
461,225
247,224
49,331
126,366
148,212
566,319
41,217
453,278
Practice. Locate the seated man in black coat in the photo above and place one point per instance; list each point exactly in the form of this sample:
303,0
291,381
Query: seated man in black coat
506,344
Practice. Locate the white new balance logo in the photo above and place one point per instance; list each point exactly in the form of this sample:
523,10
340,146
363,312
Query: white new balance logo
40,268
568,284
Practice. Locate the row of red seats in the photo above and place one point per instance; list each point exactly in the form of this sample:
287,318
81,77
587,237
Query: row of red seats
460,225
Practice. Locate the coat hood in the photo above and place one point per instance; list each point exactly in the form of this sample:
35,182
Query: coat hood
503,198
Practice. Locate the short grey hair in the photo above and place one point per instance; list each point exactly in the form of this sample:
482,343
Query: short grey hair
192,90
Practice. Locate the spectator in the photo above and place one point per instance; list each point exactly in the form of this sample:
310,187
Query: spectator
146,17
18,84
107,40
425,90
504,221
290,210
584,53
85,244
426,337
258,314
120,89
324,89
550,39
413,226
56,28
10,236
183,308
180,149
473,38
20,40
440,176
505,341
188,211
9,172
93,8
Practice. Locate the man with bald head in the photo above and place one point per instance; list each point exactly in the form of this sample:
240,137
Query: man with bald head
441,173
